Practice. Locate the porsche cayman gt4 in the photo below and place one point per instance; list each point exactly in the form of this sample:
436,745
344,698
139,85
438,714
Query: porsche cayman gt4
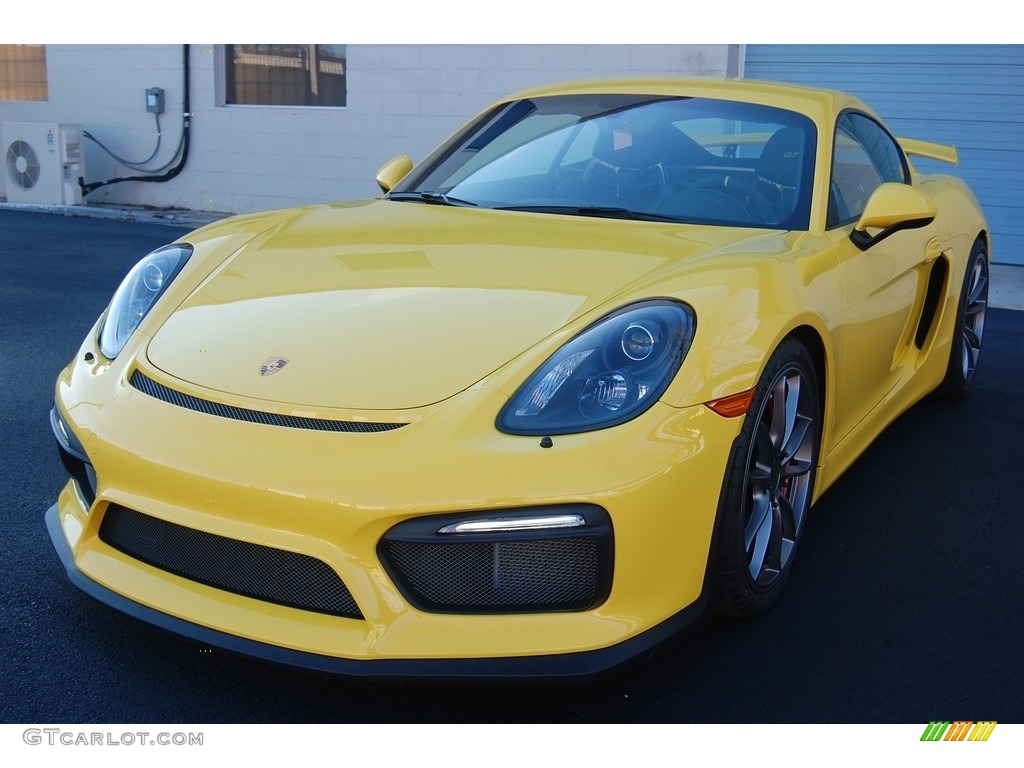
573,380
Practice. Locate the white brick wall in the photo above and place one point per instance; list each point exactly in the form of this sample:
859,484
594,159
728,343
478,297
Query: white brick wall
401,98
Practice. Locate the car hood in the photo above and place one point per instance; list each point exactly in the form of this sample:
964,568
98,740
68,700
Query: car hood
395,305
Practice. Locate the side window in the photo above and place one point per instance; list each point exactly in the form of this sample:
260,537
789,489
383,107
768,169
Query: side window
864,157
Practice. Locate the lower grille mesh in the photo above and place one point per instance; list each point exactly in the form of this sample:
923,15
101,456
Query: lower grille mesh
508,576
253,570
152,388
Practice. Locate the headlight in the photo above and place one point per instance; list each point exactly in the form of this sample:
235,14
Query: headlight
610,373
138,293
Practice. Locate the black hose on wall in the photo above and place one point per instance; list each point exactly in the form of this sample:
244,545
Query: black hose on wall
185,134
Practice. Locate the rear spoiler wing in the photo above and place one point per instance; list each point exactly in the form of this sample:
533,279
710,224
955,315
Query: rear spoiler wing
942,152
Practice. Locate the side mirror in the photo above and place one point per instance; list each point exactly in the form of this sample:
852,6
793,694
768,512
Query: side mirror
393,171
891,208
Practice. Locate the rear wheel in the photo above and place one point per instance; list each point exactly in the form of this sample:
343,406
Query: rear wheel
969,327
769,485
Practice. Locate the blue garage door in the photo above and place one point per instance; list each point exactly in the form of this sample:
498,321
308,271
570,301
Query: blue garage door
971,96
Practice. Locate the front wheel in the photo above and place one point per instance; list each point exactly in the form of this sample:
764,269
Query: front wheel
769,485
969,327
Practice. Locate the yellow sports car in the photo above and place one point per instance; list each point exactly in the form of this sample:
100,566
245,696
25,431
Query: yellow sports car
573,380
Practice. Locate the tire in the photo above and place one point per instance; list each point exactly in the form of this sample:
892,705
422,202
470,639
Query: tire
769,485
969,327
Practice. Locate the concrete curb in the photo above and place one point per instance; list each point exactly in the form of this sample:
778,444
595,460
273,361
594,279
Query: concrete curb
179,218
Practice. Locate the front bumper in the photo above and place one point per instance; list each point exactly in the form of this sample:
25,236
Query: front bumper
562,665
334,498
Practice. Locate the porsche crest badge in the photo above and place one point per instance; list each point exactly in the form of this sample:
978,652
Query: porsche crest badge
273,365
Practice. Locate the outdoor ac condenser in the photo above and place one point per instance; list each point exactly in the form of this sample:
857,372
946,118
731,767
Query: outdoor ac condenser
43,162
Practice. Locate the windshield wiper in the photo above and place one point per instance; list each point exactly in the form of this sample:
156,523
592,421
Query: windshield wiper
439,198
605,211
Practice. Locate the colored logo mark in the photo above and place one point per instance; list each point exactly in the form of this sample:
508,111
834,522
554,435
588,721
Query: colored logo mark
960,730
272,365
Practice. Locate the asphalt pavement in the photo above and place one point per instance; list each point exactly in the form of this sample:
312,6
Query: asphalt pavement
904,605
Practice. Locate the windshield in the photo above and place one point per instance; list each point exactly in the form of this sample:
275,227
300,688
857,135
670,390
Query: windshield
659,158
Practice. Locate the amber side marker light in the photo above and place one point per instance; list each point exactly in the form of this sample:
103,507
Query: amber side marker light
733,405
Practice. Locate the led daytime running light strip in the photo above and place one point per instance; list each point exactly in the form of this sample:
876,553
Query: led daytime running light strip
515,524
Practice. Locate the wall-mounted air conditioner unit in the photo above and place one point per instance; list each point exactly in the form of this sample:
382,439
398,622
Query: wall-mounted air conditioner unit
43,162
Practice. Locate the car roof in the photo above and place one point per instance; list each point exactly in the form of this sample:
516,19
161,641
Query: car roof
817,103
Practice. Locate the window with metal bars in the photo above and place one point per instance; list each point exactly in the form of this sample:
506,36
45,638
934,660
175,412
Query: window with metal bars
285,75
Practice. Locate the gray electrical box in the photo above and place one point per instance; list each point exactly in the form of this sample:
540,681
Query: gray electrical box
155,100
